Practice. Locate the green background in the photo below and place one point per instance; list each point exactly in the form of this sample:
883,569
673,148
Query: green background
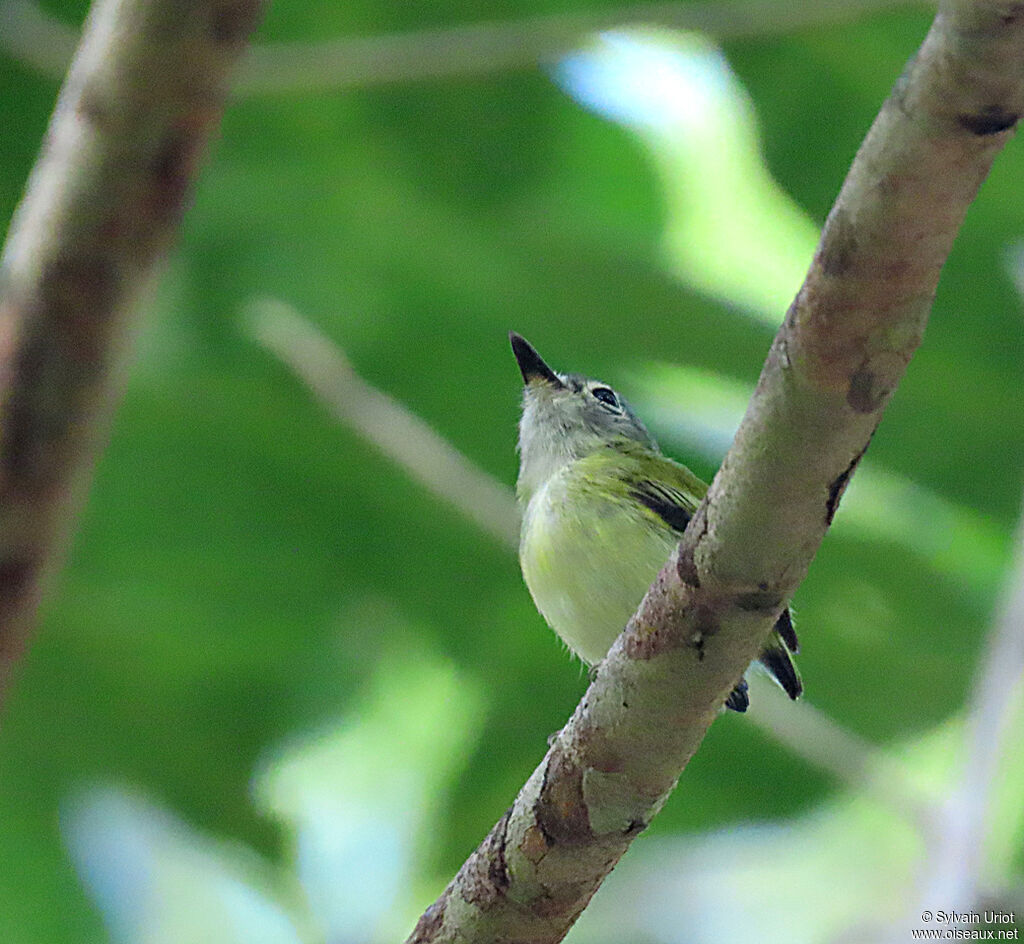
244,562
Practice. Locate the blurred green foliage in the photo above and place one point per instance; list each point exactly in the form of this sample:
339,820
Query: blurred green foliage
238,569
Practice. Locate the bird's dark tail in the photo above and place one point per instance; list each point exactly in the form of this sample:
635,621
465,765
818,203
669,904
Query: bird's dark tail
777,658
738,699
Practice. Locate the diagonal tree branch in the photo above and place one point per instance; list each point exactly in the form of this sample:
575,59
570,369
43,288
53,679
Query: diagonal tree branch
143,95
831,371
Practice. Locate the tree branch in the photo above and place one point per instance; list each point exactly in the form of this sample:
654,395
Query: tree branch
832,368
143,96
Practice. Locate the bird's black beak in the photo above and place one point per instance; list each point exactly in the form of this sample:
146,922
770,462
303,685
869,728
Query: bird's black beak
531,363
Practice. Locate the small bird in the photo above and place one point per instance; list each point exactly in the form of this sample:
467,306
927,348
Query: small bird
602,510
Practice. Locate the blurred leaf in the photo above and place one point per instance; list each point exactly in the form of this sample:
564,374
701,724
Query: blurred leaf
360,795
159,882
731,230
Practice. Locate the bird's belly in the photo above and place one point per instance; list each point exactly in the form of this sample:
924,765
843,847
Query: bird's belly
587,578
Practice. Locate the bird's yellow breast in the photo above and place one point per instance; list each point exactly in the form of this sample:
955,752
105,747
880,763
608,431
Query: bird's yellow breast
588,556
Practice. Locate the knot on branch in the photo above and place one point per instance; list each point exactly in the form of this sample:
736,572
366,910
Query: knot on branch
561,810
992,119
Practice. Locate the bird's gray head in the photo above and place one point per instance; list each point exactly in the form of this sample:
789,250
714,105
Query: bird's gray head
566,417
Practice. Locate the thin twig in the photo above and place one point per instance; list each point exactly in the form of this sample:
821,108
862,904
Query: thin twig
132,121
812,735
32,36
485,48
954,861
401,435
952,867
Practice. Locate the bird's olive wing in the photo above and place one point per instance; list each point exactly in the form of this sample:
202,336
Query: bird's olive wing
671,504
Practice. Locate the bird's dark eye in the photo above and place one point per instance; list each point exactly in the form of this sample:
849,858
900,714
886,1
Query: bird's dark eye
606,395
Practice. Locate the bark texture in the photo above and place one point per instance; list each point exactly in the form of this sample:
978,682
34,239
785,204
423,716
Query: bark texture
139,104
831,370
